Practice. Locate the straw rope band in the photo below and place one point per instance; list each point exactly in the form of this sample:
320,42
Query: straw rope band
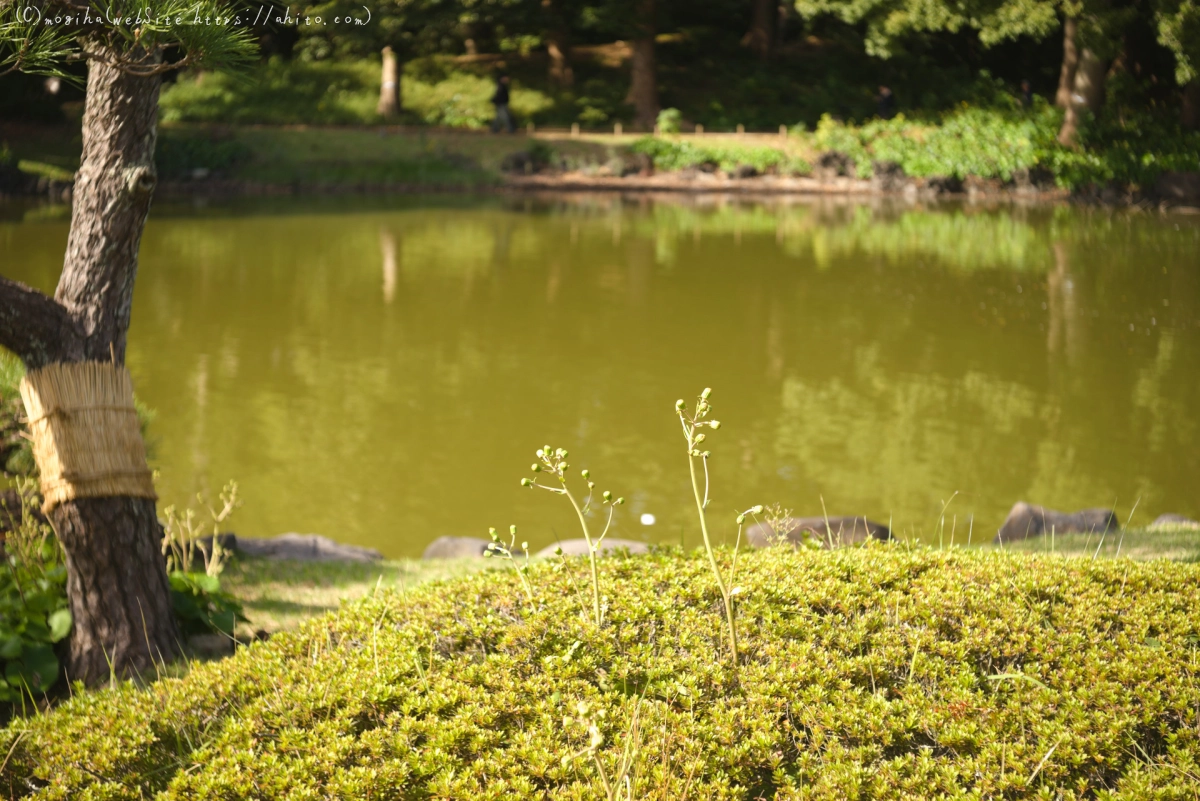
62,410
86,439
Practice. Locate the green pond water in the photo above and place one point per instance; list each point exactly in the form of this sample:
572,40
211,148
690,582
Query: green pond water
382,371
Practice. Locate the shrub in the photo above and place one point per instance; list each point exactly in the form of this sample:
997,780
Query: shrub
33,605
338,92
180,152
669,121
1129,149
681,154
278,92
882,672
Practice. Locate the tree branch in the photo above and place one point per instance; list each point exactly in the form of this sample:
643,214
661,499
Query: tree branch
35,327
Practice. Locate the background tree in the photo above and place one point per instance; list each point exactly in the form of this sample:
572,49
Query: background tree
117,583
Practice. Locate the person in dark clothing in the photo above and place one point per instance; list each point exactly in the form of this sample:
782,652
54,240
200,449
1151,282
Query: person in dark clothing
500,101
1026,94
886,103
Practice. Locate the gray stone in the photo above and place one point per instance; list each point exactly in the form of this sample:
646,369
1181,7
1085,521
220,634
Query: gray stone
1178,187
210,646
833,532
579,547
1026,520
306,547
1173,521
456,548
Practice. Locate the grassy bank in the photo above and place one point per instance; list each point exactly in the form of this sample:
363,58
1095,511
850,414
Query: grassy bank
998,147
883,672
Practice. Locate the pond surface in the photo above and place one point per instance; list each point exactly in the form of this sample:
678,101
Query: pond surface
382,371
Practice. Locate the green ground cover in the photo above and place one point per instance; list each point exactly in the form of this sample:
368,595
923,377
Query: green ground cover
878,672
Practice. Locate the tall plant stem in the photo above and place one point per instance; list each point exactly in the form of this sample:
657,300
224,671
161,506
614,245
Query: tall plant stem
591,555
712,560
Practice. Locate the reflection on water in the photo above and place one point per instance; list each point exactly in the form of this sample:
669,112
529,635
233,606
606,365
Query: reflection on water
382,371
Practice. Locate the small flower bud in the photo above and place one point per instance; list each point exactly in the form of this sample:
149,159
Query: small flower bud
558,550
495,536
707,391
715,424
524,546
540,453
591,485
706,454
537,468
585,473
607,495
512,530
680,405
741,519
758,510
526,482
700,438
619,501
563,466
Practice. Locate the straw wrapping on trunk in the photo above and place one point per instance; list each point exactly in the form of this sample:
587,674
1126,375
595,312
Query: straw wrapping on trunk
86,439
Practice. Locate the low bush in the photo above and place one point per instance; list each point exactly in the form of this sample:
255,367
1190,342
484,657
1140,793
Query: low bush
681,154
33,606
278,92
179,153
1130,150
339,92
881,672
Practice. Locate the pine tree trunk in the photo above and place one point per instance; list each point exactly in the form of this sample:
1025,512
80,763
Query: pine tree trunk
759,37
1189,115
389,86
116,577
643,87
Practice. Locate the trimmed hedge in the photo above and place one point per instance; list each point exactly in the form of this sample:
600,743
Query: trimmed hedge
882,672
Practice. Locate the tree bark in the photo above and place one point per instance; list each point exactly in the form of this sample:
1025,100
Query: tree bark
1090,78
643,87
561,73
1070,62
389,86
1087,94
1189,115
760,36
116,577
557,44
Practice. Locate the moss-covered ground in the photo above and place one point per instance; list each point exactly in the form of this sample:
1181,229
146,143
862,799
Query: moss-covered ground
880,672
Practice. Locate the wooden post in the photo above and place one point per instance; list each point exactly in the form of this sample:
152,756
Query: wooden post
699,128
389,86
617,129
574,129
741,129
